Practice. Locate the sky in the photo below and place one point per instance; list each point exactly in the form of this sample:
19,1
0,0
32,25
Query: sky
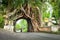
18,21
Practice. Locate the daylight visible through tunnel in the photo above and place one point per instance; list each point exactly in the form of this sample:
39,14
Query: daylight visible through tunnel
21,25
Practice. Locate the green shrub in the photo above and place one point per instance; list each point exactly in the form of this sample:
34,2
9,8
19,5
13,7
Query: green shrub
1,21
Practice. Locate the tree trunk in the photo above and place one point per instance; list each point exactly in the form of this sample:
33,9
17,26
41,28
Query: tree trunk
31,13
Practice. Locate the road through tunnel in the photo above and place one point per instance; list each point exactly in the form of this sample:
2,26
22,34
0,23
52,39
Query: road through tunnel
28,24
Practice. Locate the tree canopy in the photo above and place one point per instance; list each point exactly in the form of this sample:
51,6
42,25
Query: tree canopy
38,7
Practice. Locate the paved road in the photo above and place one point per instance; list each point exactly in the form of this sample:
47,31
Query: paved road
6,35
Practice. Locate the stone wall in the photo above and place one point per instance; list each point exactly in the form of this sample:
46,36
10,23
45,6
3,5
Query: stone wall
9,25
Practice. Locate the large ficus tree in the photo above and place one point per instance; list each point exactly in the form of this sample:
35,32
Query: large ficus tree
30,8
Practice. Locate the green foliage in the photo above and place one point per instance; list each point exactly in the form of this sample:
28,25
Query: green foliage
35,3
56,8
5,2
1,21
45,10
21,25
17,3
46,15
